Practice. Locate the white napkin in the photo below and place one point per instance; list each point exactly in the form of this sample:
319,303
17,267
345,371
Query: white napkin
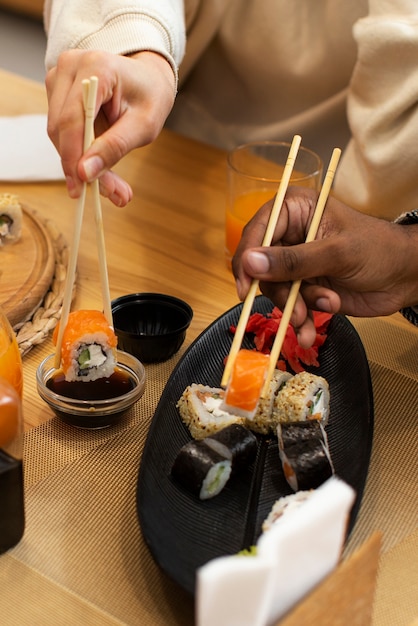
27,154
292,557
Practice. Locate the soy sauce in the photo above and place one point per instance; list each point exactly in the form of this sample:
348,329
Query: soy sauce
119,383
12,517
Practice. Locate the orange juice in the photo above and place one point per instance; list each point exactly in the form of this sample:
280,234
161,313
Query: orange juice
245,206
254,173
10,359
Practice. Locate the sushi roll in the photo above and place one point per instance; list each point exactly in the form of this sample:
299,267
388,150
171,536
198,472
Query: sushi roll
290,433
306,464
264,421
236,443
284,505
245,383
305,396
200,409
88,347
10,218
201,470
304,454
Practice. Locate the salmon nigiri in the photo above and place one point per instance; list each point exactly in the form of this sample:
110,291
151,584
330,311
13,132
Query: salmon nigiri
245,384
88,346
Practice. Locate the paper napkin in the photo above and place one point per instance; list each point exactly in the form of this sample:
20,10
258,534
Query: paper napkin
28,154
299,551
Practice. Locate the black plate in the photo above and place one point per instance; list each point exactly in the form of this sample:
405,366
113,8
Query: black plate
182,532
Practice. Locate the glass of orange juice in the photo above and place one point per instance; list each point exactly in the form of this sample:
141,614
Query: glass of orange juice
254,174
10,359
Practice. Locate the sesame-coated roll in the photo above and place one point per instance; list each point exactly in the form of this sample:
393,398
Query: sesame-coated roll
10,218
264,420
200,409
305,396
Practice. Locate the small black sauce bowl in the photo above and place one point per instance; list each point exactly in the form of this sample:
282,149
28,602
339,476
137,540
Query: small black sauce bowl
94,413
151,326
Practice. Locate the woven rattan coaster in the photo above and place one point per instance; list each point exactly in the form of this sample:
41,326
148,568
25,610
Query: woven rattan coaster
33,331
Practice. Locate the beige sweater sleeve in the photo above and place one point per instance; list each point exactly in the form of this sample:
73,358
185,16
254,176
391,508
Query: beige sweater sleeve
115,26
378,172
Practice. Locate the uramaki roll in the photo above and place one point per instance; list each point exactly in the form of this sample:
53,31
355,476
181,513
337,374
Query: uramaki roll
200,409
88,346
284,505
10,218
305,396
264,420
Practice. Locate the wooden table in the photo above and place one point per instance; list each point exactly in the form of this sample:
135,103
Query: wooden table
169,239
29,8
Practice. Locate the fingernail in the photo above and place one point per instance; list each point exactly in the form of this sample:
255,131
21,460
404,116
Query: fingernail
259,262
72,192
93,167
238,287
323,304
116,199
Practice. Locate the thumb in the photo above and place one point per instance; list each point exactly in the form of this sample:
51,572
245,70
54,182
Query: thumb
109,148
284,263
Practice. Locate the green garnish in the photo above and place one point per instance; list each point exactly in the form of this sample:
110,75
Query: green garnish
251,551
315,402
84,359
216,479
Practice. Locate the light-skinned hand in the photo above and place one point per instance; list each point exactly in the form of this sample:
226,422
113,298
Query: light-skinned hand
135,96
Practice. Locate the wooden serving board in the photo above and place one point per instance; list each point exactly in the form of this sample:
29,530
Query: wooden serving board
26,269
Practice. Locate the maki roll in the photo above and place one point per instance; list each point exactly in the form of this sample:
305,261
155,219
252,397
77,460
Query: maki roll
200,409
290,433
245,384
201,470
236,443
88,346
10,218
304,454
305,396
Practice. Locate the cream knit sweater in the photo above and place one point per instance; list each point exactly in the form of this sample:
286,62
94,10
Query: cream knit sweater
339,72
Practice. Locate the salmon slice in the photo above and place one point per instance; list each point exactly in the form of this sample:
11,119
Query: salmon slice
246,382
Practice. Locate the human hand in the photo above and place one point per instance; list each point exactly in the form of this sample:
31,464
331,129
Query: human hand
135,96
358,265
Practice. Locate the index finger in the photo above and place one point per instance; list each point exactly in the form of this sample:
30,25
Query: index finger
252,237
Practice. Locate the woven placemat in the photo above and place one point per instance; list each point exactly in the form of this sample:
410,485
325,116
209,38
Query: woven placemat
396,601
83,542
42,321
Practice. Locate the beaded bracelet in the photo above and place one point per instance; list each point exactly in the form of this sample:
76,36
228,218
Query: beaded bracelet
411,217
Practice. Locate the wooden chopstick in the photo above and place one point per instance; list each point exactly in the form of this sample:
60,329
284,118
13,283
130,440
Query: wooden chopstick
89,87
101,248
294,290
268,236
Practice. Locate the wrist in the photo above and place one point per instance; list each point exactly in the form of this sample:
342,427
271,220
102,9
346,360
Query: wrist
408,223
162,64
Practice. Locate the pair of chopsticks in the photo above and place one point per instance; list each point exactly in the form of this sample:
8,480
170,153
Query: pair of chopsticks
294,290
89,87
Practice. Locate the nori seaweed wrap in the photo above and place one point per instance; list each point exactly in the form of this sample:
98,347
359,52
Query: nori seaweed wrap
201,470
235,442
306,464
289,433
